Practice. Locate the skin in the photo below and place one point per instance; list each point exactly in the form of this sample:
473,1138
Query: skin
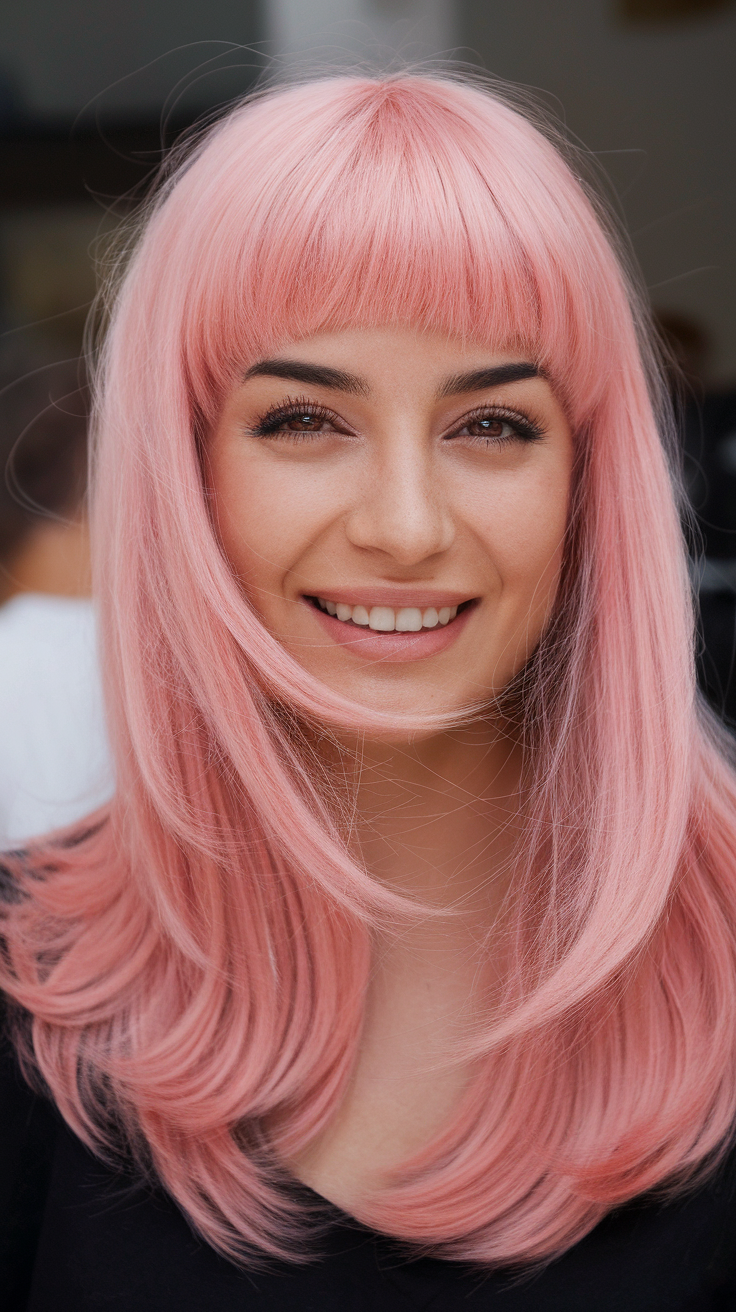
406,485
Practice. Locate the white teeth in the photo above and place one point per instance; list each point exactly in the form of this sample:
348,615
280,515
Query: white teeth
384,619
408,620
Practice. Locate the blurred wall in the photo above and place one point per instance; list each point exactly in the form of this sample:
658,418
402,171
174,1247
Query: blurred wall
85,91
372,29
61,55
657,103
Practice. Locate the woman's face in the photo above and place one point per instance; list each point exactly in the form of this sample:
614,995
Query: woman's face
394,504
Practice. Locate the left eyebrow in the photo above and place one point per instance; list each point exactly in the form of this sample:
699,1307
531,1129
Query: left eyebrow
477,379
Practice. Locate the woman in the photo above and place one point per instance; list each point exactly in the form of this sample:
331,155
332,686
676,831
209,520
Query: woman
412,921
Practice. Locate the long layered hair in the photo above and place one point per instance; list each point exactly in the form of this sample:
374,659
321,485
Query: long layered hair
195,964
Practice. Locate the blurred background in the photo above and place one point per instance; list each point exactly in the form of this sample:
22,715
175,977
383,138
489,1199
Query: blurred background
90,96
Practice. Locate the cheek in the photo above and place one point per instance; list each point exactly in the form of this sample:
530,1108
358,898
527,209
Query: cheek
523,531
267,517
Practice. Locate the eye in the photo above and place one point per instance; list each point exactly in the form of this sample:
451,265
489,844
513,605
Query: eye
497,427
295,419
489,427
303,423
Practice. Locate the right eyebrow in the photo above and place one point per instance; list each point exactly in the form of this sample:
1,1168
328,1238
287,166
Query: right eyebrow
318,375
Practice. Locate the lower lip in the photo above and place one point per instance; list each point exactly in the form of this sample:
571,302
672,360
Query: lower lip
393,648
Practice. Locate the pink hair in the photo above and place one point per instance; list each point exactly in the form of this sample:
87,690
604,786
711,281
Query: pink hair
196,965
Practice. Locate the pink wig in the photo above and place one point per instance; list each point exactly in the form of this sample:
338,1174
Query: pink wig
196,964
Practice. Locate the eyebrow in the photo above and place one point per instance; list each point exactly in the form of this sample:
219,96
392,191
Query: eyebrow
477,379
320,375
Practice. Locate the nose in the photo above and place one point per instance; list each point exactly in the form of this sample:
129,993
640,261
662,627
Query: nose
402,511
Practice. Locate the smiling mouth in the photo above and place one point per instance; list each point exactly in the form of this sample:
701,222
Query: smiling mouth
389,619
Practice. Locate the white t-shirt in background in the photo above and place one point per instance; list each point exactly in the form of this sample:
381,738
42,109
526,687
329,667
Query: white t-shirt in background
54,759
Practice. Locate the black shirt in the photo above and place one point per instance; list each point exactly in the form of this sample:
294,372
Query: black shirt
75,1236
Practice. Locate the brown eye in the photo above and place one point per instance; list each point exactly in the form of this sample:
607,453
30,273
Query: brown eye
496,429
297,419
488,427
304,423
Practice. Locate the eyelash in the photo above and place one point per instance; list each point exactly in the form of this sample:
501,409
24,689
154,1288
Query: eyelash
526,429
269,424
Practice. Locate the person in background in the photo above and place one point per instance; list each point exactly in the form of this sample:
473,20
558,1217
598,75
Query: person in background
53,751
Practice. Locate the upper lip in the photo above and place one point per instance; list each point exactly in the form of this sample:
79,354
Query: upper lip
398,598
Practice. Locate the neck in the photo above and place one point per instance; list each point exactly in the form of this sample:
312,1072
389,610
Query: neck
439,818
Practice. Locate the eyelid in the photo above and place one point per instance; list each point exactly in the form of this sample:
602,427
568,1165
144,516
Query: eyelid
290,406
529,427
267,424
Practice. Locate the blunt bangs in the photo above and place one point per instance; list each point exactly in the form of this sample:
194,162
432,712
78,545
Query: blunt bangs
390,203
